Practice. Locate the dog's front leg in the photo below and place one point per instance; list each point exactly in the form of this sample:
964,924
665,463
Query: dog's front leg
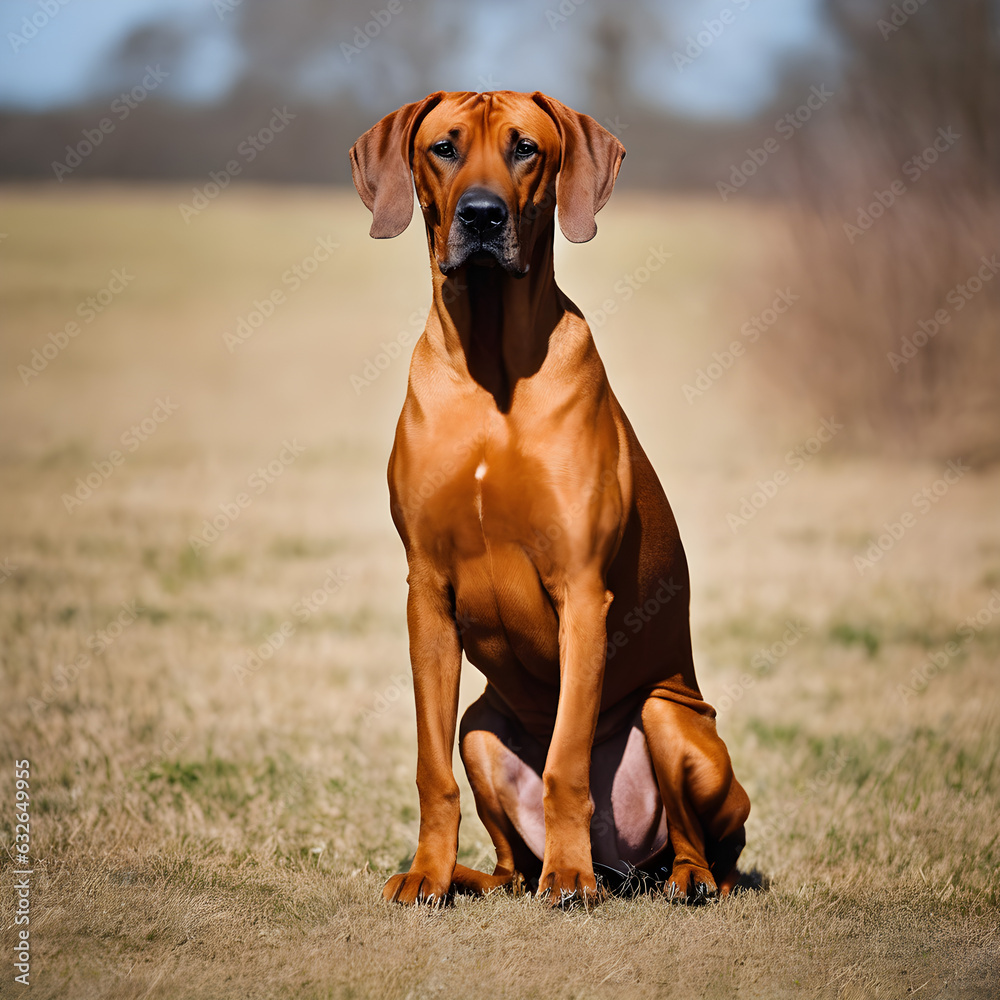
567,868
436,658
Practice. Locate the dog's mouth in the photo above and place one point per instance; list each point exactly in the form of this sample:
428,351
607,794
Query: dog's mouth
483,256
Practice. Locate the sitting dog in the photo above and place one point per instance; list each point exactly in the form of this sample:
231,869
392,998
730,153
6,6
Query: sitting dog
537,534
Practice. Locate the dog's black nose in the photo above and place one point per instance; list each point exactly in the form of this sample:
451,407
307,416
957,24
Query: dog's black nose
481,211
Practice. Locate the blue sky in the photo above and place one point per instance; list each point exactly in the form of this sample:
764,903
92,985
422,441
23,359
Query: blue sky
732,76
61,63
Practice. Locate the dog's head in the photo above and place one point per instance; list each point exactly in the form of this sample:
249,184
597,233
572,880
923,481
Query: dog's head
489,169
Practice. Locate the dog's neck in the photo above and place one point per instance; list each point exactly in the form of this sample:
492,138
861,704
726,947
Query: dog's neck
494,327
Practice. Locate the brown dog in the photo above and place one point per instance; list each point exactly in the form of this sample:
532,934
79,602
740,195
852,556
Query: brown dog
538,538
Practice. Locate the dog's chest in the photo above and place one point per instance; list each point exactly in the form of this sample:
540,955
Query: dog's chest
491,498
480,514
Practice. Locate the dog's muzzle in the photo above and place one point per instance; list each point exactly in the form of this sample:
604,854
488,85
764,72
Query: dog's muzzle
481,233
482,213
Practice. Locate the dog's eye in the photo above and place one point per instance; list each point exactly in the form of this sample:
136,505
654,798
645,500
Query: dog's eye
444,149
525,148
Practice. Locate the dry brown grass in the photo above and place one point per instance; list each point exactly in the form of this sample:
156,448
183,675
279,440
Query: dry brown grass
196,836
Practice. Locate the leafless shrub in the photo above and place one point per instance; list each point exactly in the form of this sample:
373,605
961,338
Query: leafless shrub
895,234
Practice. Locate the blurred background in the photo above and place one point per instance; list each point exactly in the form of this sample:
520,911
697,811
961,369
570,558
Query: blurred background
824,104
795,290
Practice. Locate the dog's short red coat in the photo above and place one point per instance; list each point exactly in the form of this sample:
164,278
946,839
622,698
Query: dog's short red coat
538,538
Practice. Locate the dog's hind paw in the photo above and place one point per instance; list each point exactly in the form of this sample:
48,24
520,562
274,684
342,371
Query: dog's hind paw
690,885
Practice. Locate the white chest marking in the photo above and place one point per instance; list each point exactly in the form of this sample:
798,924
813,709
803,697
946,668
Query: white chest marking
480,473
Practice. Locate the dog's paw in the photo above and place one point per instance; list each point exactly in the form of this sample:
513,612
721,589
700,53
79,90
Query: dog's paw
417,887
566,887
690,884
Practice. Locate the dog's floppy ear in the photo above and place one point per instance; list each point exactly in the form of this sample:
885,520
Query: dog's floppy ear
591,157
380,166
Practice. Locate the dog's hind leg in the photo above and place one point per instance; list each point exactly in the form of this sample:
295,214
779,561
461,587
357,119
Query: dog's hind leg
706,806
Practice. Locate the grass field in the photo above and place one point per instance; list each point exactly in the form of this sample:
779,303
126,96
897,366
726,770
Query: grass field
221,735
